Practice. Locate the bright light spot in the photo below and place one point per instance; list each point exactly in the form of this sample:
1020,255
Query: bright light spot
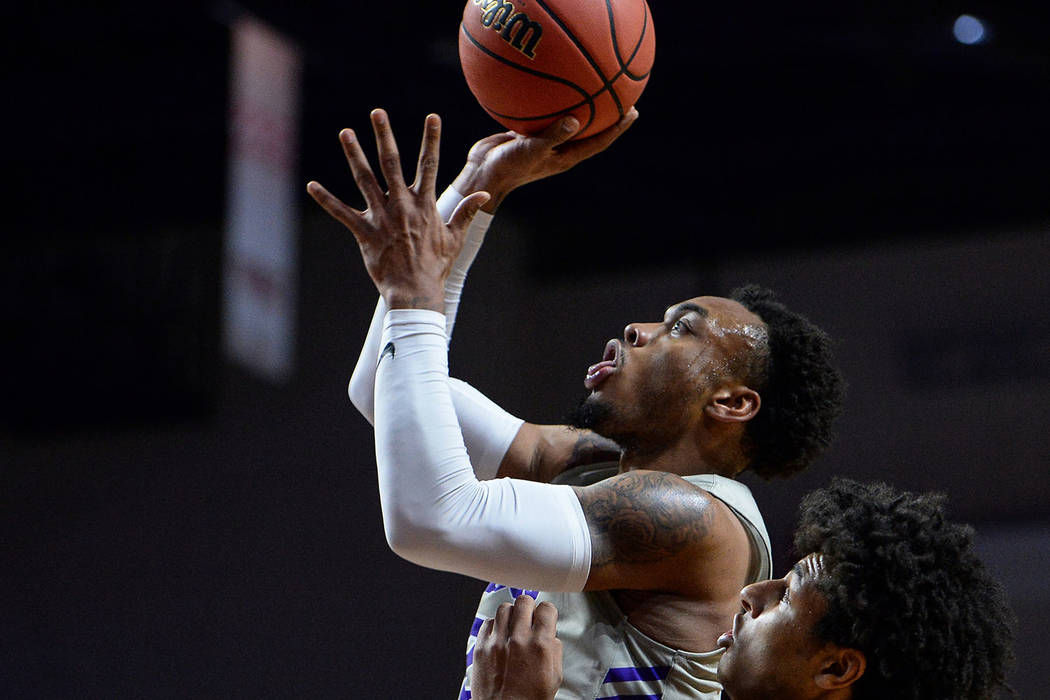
968,29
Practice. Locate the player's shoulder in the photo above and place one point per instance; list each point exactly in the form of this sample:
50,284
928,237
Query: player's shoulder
655,530
656,480
673,498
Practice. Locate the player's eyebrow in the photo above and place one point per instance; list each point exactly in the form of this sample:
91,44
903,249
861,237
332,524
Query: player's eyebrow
684,308
808,568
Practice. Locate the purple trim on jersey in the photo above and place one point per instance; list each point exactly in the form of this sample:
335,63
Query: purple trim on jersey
514,592
464,695
631,673
478,622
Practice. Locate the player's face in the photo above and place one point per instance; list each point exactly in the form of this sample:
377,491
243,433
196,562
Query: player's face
772,650
654,383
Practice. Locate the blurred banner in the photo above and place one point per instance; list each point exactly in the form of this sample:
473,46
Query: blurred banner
260,280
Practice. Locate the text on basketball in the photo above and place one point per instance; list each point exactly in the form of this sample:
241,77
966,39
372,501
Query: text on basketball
513,27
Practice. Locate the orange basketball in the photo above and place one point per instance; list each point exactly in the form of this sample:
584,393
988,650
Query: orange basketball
528,62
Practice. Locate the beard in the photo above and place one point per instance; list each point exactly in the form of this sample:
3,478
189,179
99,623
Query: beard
591,414
640,427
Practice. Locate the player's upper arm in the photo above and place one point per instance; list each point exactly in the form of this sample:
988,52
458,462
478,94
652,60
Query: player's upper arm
654,530
541,452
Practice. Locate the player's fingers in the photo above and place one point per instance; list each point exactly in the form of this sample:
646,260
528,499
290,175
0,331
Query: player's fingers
465,212
484,632
389,157
501,620
545,619
427,166
585,148
360,169
521,615
349,217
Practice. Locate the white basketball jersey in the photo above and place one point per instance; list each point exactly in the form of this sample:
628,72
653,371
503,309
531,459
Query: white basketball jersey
605,656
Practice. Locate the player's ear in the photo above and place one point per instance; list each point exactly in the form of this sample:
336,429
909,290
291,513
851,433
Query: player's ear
840,667
733,403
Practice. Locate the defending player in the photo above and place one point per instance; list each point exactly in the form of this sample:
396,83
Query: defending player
890,601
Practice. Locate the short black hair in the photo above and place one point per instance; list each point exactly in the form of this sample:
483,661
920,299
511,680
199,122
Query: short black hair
800,387
904,585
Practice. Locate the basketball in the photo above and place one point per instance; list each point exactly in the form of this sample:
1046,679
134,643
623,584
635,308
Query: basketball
529,62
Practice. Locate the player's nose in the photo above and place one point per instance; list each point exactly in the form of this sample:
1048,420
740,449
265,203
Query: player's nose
638,334
756,597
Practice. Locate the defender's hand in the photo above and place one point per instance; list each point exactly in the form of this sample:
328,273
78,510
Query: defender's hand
503,162
407,249
517,655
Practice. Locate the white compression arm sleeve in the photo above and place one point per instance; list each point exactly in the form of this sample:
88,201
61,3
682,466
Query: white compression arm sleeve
435,511
488,430
479,225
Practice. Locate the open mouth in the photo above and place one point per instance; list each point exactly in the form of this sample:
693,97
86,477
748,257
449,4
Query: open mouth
727,638
598,373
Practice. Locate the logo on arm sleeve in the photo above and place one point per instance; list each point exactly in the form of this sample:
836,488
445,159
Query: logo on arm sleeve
390,349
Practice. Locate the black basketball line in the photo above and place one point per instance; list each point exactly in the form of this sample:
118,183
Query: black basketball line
586,55
616,44
587,99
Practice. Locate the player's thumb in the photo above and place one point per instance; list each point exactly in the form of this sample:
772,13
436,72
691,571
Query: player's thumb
465,212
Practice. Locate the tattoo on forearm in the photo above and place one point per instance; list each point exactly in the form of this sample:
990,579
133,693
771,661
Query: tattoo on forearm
643,518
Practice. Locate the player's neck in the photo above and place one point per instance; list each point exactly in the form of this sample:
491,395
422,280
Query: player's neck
682,459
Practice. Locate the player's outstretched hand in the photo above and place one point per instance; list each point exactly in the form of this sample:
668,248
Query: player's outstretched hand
503,162
517,655
407,249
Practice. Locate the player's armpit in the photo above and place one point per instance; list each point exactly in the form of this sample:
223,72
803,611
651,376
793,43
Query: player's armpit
655,531
541,452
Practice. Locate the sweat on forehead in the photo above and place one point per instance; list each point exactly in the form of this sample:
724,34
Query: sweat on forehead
732,318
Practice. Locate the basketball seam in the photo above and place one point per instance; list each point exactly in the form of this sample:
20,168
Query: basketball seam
616,45
586,54
587,98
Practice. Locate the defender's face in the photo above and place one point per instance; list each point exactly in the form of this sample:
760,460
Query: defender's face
772,650
660,375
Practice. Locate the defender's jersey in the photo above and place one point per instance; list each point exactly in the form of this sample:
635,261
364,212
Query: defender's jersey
605,656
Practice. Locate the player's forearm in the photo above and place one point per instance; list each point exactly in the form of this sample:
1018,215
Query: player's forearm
436,513
362,382
488,430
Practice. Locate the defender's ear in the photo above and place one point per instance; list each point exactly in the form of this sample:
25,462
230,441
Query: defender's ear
733,404
841,668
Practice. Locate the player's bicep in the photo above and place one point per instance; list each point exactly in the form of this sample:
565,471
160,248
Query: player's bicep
646,529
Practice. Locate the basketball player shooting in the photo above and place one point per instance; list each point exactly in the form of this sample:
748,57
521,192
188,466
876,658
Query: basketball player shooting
645,567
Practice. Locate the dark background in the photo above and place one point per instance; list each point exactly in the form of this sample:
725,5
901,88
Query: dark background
174,526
